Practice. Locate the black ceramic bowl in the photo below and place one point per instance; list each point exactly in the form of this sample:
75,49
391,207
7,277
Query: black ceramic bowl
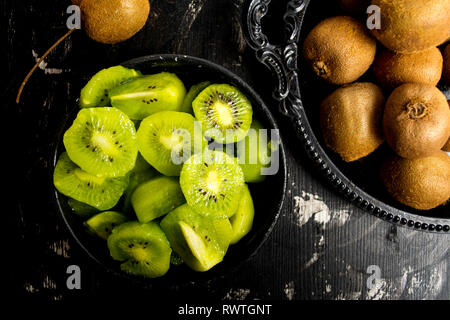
300,93
268,196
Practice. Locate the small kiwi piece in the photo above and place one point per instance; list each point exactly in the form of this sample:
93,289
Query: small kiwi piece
354,6
224,112
175,259
350,119
411,26
252,156
102,141
81,209
394,69
446,69
95,92
421,183
193,92
167,139
101,193
339,49
201,242
416,120
113,21
102,224
212,182
143,248
149,94
242,220
156,197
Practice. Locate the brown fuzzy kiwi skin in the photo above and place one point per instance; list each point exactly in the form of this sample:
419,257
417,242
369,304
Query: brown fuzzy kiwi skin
77,2
113,21
354,6
339,49
422,183
394,69
411,26
350,119
416,120
446,69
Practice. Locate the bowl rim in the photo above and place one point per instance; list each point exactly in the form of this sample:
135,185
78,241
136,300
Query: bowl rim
205,276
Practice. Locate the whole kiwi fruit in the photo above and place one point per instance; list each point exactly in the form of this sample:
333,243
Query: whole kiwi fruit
350,119
393,69
422,183
339,49
113,21
446,69
354,6
411,26
416,120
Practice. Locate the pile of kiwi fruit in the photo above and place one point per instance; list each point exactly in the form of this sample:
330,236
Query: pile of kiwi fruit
142,168
389,87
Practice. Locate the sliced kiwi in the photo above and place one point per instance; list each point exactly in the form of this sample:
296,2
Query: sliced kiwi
253,153
175,259
101,193
143,247
242,220
81,209
212,182
95,93
149,94
166,139
102,141
191,95
103,223
200,241
224,111
156,197
141,173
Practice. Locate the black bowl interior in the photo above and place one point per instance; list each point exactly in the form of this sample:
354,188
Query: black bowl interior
363,173
268,195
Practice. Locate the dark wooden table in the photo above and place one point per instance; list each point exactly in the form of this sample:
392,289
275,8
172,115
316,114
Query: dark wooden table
321,247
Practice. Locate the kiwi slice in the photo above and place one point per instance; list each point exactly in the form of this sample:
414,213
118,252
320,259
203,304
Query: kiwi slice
212,182
421,183
242,220
252,156
166,139
95,93
224,111
101,193
199,241
149,94
102,141
141,173
81,209
143,247
103,223
156,197
191,95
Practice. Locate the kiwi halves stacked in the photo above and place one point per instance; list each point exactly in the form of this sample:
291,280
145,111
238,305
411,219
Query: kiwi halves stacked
160,187
414,119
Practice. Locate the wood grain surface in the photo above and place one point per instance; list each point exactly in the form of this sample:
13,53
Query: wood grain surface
321,246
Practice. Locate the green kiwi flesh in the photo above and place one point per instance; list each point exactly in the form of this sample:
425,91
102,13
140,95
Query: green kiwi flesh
252,156
166,139
156,197
149,94
242,220
103,223
224,111
143,248
211,183
101,193
95,93
102,141
199,241
191,95
81,209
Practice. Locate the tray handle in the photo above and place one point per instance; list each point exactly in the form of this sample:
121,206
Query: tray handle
282,59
